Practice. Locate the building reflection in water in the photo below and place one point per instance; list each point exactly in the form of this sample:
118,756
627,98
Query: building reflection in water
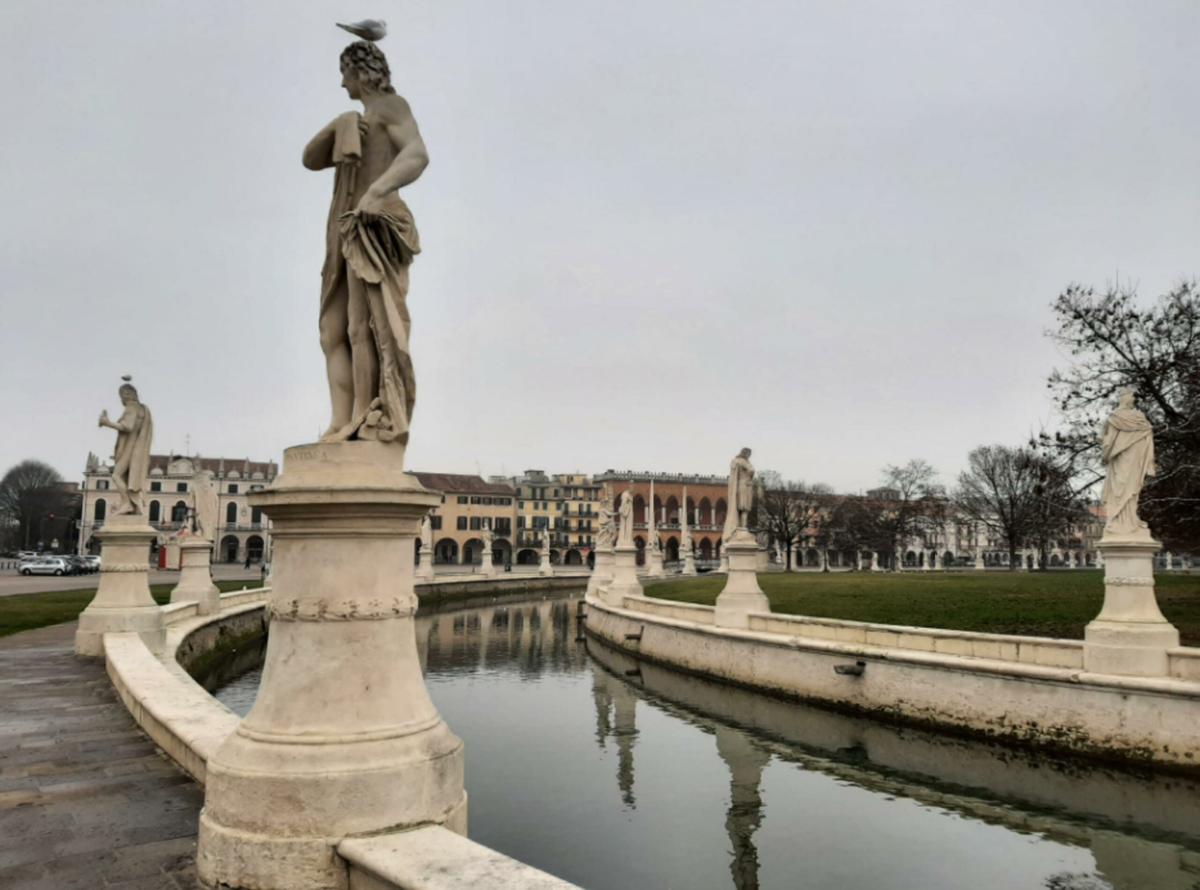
1141,831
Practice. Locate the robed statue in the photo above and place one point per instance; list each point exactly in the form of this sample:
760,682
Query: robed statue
204,517
131,459
1127,449
625,519
739,495
370,241
606,537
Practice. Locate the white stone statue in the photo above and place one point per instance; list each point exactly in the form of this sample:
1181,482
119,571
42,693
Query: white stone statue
1127,449
606,536
131,459
205,516
485,535
370,241
739,494
625,519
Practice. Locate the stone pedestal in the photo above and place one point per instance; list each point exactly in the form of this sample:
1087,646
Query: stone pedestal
601,573
624,575
741,594
343,739
195,576
1130,636
545,567
978,561
689,563
122,603
487,568
424,571
654,563
764,559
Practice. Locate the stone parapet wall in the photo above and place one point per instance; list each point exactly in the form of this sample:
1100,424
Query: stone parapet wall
1032,692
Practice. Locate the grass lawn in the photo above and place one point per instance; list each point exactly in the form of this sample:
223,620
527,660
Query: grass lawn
25,611
1044,604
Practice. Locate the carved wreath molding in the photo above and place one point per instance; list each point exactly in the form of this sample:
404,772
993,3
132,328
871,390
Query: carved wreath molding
345,610
124,567
1128,581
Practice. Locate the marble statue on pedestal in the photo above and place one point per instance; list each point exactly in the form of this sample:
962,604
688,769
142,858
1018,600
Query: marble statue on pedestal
122,603
1127,449
741,594
131,459
606,535
1130,636
371,240
485,536
343,739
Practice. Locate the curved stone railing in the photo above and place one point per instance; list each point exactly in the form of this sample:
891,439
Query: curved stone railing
189,725
1026,689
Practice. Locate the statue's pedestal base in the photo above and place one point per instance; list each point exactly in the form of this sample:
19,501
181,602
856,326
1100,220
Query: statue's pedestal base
343,739
601,573
654,565
486,567
424,572
1130,636
624,576
195,576
122,603
741,594
545,568
689,565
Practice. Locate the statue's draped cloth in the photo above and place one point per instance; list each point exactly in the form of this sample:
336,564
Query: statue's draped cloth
1127,449
377,251
131,459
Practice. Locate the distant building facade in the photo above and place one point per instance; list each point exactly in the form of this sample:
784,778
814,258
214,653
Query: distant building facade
243,532
703,497
469,505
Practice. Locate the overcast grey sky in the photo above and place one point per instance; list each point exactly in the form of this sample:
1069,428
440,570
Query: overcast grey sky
653,232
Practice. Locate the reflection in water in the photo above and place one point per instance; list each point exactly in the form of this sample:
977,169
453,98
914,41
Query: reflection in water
734,789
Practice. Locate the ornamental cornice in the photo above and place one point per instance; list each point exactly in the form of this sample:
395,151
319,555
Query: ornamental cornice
1128,581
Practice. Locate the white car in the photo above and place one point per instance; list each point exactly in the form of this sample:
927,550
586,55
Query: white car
52,565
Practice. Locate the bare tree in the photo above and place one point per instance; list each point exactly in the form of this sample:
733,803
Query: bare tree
30,492
789,511
1115,343
911,504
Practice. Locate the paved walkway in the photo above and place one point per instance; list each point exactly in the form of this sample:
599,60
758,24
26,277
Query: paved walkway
86,801
13,583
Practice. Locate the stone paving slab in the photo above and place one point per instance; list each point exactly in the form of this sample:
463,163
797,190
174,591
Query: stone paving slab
86,800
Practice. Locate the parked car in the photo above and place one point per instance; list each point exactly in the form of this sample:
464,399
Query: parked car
50,565
93,563
27,554
76,565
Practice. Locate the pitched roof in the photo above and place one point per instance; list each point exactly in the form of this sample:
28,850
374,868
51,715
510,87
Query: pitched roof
458,483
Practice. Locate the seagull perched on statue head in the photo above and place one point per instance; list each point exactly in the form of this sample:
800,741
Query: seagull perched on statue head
367,29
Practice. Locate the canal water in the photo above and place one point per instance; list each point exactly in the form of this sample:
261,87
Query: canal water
621,776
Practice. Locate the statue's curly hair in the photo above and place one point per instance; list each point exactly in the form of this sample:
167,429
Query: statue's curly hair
367,61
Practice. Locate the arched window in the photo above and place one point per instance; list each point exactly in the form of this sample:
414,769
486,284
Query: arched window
231,513
179,512
155,511
101,510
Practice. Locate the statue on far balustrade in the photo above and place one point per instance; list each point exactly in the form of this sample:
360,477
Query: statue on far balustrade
204,517
131,458
625,519
739,494
1127,449
606,537
370,241
485,535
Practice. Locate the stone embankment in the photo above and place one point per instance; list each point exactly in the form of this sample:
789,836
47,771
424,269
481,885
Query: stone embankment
1020,689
